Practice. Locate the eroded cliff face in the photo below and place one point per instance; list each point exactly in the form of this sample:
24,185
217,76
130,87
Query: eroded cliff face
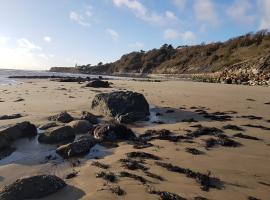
245,57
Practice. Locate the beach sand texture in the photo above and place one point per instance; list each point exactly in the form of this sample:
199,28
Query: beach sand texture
244,171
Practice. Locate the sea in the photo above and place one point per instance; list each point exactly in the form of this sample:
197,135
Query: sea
5,73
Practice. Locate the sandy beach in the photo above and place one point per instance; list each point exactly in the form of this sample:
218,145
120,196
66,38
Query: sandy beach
243,170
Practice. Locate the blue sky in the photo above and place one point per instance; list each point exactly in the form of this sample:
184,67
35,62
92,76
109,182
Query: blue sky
38,34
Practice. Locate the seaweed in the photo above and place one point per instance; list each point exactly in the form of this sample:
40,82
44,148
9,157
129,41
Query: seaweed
100,165
194,151
241,135
133,176
205,180
143,155
108,176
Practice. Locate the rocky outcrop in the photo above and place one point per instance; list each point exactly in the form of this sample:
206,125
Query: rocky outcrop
63,117
17,131
32,187
113,133
79,147
98,84
57,135
81,126
124,106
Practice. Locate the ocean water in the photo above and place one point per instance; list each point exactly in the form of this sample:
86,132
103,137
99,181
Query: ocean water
5,73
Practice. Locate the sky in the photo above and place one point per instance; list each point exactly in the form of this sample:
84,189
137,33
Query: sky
39,34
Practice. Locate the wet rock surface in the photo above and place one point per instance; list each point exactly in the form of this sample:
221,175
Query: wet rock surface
113,133
125,106
89,117
15,132
57,135
81,126
48,125
63,117
32,187
79,147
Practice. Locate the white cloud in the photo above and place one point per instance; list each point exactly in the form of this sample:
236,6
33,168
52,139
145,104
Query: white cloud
21,54
75,16
172,34
264,7
47,39
137,46
205,12
4,40
239,11
113,34
140,11
180,4
25,44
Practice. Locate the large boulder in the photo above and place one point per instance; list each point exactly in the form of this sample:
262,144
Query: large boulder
98,84
57,135
79,147
17,131
63,117
113,133
81,126
125,106
32,187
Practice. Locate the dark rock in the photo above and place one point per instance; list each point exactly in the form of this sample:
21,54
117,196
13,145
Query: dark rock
48,125
17,131
98,84
32,187
81,126
79,147
57,135
14,116
89,117
133,106
63,117
113,133
162,134
6,152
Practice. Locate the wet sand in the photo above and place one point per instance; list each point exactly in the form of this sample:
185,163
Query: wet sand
243,170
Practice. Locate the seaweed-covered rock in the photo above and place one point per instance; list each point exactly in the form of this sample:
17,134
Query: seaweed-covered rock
63,117
77,148
81,126
125,106
98,84
32,187
57,135
113,133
